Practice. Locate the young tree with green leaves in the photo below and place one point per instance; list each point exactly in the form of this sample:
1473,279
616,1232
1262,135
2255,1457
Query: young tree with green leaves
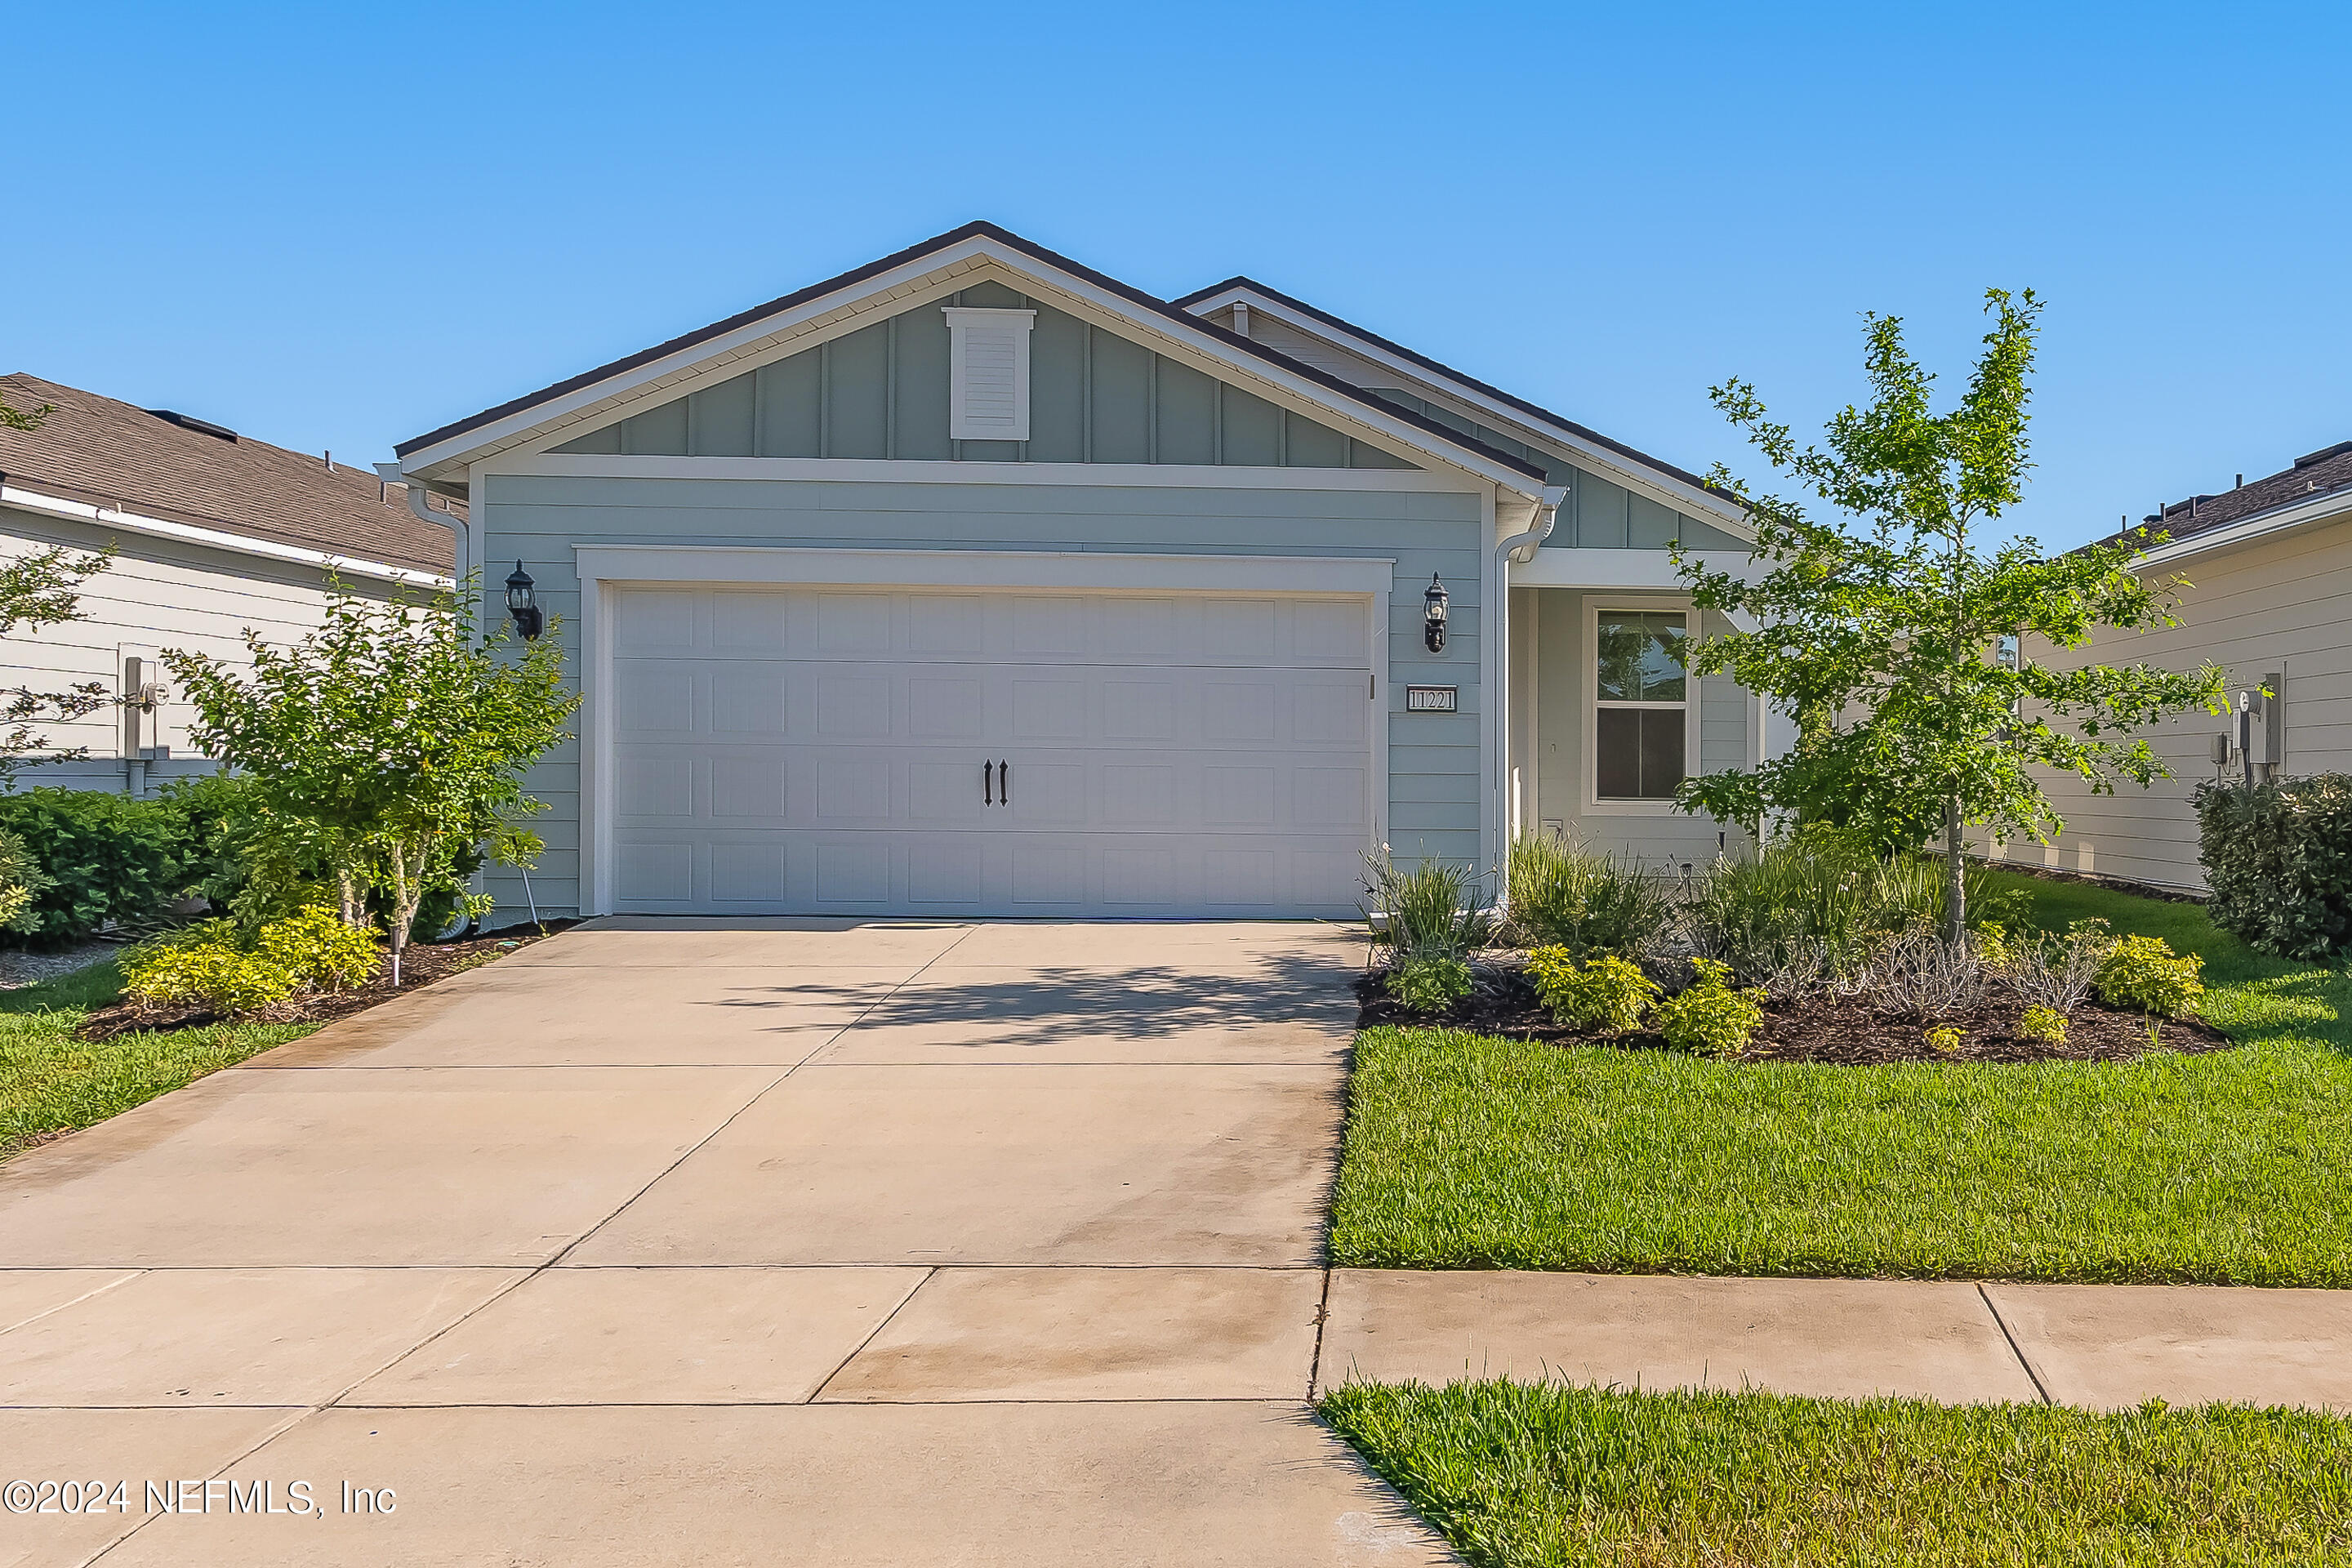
39,591
1881,631
391,739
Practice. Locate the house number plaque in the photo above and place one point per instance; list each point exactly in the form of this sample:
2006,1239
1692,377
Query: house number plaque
1429,698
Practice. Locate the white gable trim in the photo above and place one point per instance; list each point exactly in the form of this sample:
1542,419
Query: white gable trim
1615,466
932,276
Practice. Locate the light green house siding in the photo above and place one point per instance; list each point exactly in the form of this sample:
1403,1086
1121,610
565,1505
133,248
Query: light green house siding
1552,620
1597,514
1434,799
882,391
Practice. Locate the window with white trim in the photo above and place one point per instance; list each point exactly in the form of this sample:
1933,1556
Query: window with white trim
1641,722
988,373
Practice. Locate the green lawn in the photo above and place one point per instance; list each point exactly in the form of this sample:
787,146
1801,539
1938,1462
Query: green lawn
49,1082
1470,1152
1521,1475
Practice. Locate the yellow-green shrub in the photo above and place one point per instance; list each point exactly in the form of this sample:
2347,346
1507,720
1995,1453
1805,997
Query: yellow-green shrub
2143,972
320,948
2044,1023
1607,994
1943,1041
212,962
1710,1018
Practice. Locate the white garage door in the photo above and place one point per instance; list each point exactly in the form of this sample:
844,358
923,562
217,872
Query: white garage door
839,751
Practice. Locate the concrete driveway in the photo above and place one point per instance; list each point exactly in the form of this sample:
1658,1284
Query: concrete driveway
718,1242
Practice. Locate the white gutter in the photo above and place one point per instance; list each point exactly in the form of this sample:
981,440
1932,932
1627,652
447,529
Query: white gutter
1517,549
2320,508
135,523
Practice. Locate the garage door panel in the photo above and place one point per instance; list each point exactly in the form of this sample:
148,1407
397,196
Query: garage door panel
748,700
854,789
655,784
946,792
746,783
821,750
945,707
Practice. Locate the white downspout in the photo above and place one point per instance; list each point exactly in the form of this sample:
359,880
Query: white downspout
1520,549
462,528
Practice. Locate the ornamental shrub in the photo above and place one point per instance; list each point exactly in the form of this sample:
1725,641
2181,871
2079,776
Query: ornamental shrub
1943,1041
2278,857
213,963
1608,994
1557,894
1710,1018
1437,909
1429,982
2143,972
2044,1023
108,860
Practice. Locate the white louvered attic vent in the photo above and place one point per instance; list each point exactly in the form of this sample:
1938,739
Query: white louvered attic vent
988,373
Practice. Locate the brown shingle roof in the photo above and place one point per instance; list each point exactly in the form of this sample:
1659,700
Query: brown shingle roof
2314,473
94,448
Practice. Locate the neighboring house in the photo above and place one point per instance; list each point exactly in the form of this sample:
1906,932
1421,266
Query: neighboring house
2270,600
973,581
214,532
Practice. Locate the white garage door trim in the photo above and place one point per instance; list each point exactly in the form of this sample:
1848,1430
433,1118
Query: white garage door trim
604,570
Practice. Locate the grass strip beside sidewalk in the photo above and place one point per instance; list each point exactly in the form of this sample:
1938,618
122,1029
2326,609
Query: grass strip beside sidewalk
1542,1476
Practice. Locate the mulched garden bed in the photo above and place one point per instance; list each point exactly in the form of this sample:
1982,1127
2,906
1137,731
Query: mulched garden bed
419,967
1838,1032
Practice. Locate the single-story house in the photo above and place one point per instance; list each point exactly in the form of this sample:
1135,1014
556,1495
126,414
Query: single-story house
214,532
975,581
2269,598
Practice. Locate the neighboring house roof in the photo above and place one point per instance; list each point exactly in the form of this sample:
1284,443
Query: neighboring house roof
1347,395
2314,475
102,452
1541,416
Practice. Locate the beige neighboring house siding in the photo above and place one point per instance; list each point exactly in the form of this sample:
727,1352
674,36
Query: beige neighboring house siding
159,593
2277,603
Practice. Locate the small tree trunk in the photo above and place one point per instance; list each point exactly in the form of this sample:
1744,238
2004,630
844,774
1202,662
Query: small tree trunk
402,911
1956,891
347,893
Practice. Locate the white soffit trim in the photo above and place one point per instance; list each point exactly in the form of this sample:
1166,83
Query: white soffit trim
988,373
931,277
1663,488
939,471
1110,571
2332,505
242,544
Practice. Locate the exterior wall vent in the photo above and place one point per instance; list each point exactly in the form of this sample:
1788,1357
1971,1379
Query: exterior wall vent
988,373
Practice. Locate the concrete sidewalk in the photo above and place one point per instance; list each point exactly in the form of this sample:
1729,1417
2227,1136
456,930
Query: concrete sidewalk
750,1242
2105,1346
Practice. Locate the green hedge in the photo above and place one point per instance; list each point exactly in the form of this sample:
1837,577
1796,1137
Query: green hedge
110,859
2278,857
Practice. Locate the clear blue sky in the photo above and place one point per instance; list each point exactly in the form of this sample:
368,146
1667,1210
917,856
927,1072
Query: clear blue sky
339,225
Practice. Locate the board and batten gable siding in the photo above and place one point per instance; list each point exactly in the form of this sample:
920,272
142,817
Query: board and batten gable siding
882,391
2279,605
1434,797
157,594
1553,618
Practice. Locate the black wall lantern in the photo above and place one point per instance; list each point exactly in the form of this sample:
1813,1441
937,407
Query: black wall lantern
1432,616
520,603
